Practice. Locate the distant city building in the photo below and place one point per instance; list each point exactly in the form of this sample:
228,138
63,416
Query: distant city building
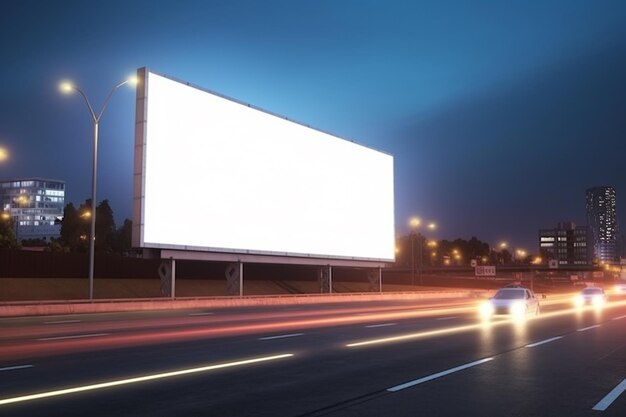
602,219
35,204
567,243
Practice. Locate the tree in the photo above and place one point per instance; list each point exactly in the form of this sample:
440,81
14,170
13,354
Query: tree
105,227
7,234
123,238
75,228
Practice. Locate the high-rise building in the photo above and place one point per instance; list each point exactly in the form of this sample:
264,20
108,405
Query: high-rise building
602,220
35,204
567,243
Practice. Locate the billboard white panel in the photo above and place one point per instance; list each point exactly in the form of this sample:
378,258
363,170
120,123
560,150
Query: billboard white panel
216,175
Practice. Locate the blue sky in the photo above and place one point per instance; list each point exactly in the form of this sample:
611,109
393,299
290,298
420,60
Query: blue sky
499,114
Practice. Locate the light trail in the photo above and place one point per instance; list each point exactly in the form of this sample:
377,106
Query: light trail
78,336
61,322
136,380
14,368
211,329
282,336
302,316
478,326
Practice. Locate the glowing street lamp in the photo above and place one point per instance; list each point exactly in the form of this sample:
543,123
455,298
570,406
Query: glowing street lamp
415,223
67,88
4,154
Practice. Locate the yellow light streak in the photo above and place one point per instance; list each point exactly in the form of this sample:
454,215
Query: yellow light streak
478,326
140,379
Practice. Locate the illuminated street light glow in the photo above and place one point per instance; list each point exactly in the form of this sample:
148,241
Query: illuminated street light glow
66,87
4,154
135,380
415,222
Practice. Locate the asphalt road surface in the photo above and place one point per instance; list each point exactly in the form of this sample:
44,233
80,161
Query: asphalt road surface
392,358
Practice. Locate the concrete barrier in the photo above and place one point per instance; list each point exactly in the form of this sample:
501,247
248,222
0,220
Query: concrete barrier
44,308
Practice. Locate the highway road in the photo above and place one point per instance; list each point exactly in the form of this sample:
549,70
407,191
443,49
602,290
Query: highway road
391,358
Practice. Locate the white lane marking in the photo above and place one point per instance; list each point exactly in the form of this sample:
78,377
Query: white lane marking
12,368
437,375
447,318
610,397
619,318
140,379
61,322
200,314
79,336
584,329
544,341
282,336
372,326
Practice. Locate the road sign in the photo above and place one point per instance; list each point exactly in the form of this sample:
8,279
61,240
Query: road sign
485,271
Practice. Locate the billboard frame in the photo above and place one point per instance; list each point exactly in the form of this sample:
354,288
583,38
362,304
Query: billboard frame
168,251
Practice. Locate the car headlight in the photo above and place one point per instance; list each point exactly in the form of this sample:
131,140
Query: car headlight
597,300
579,301
486,309
518,308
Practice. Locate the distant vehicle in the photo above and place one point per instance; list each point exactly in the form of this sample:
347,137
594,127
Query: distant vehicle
620,288
514,301
594,296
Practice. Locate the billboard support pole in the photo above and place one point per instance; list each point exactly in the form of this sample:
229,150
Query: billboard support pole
330,279
173,263
240,278
325,279
234,278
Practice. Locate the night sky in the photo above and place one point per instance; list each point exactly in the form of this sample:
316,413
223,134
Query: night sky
499,114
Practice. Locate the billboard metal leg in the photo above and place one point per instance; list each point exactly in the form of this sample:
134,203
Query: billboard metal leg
173,263
325,279
234,278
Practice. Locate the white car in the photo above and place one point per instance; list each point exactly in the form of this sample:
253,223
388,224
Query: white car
516,302
594,296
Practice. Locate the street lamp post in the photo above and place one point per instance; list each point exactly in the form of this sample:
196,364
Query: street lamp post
67,87
415,224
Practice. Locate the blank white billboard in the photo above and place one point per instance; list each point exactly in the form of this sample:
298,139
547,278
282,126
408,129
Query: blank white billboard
216,175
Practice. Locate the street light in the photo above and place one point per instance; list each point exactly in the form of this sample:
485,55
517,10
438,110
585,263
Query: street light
415,223
4,154
67,88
